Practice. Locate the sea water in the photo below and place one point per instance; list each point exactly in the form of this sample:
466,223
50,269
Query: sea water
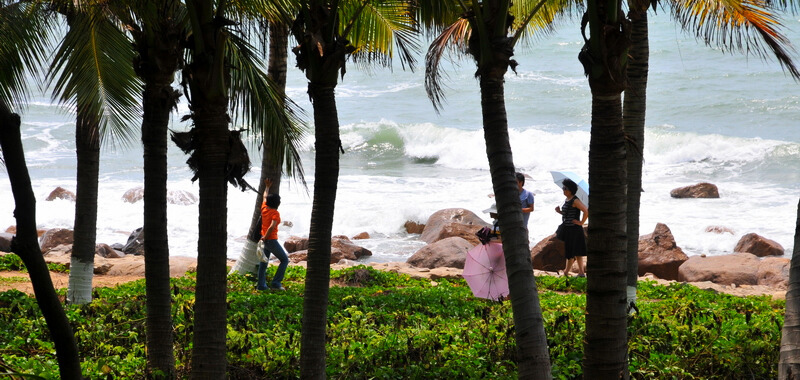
712,116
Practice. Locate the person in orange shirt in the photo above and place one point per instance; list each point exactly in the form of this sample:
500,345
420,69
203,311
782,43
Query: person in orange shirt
270,219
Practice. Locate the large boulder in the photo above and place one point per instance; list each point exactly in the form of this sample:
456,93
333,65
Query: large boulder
774,272
548,254
349,250
449,252
414,227
700,190
133,195
61,193
738,268
659,255
295,243
135,243
54,237
758,245
452,222
107,251
5,241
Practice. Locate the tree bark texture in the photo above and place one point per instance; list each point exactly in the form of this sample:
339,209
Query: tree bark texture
326,178
633,118
534,357
26,245
789,362
87,142
605,353
159,58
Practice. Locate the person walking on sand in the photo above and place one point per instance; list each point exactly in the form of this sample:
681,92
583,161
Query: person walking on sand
571,228
270,219
525,198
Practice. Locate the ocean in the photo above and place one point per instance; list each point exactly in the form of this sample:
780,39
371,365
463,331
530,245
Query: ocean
712,116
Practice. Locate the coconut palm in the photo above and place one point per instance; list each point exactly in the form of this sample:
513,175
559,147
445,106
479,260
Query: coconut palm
747,26
92,74
789,364
328,33
605,58
24,43
488,31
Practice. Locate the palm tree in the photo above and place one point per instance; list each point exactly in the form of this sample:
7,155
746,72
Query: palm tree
103,93
714,21
483,32
789,364
328,33
605,58
22,47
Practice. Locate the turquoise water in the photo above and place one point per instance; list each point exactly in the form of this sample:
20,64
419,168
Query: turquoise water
712,117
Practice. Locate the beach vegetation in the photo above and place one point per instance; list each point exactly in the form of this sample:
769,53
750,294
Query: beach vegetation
388,325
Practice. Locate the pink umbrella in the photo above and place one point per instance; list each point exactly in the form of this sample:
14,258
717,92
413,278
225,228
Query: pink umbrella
485,271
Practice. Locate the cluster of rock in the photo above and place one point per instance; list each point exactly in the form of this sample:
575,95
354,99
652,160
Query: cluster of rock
177,197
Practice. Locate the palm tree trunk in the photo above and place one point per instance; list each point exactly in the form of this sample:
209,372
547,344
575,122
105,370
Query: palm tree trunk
789,364
158,66
606,314
26,245
534,358
209,351
326,177
276,70
633,118
87,141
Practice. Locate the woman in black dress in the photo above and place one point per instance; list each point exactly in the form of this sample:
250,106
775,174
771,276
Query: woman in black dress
572,227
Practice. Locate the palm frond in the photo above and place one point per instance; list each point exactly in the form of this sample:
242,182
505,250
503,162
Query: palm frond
23,47
748,26
374,28
93,72
434,16
453,38
280,11
537,18
269,112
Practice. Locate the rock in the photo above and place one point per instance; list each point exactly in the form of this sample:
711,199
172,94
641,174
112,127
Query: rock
719,230
105,250
445,273
349,250
449,252
659,255
548,255
443,219
299,256
287,223
414,227
361,236
102,268
774,272
180,197
738,268
133,195
54,237
61,193
5,242
295,243
700,190
11,229
176,197
135,244
759,246
60,250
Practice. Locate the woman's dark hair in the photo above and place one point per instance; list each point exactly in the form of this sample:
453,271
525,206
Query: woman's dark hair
571,186
273,201
520,177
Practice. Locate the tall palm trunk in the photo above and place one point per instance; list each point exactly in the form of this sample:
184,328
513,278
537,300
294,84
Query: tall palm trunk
87,142
534,359
276,70
26,245
157,62
208,84
326,177
789,364
605,58
633,118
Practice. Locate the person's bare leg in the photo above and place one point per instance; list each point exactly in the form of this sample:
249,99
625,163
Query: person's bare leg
568,268
581,266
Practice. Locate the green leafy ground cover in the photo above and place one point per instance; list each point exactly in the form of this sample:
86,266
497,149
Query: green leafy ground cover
389,326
